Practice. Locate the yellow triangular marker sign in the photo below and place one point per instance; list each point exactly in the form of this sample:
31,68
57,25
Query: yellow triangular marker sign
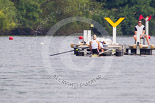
116,23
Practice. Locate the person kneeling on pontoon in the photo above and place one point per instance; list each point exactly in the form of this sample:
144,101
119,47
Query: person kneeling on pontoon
94,45
141,30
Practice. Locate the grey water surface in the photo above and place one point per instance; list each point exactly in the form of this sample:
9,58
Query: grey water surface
28,74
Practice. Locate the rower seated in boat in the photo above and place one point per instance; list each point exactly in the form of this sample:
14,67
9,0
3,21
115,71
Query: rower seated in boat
94,45
102,46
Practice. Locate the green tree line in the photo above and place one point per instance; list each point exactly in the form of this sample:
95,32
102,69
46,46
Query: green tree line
36,17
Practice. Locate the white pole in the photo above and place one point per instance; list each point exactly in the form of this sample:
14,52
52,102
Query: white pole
138,37
85,32
147,26
114,35
138,42
89,35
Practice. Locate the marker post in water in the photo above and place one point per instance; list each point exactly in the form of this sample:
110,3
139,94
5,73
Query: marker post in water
147,24
114,26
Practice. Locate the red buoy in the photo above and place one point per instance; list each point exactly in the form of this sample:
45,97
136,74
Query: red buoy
149,37
10,38
81,37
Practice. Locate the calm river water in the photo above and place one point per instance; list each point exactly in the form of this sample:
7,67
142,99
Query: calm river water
28,74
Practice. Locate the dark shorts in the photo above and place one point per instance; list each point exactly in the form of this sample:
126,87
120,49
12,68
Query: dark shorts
95,51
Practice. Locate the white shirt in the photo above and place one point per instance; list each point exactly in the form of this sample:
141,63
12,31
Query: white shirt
139,29
94,44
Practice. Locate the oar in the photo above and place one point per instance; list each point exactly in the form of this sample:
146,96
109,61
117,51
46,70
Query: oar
67,51
62,53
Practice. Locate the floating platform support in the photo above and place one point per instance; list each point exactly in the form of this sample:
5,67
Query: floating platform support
117,50
143,49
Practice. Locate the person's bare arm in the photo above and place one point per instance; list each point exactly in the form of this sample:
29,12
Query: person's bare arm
98,44
143,32
90,46
135,32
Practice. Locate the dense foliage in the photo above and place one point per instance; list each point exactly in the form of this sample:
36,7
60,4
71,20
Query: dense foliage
26,16
7,16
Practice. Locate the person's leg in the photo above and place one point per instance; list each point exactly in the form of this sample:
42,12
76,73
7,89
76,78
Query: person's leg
147,39
102,50
135,38
97,51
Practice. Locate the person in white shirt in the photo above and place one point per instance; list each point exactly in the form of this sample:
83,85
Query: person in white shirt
141,30
94,45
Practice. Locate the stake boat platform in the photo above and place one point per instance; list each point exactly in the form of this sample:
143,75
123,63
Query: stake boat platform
113,50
